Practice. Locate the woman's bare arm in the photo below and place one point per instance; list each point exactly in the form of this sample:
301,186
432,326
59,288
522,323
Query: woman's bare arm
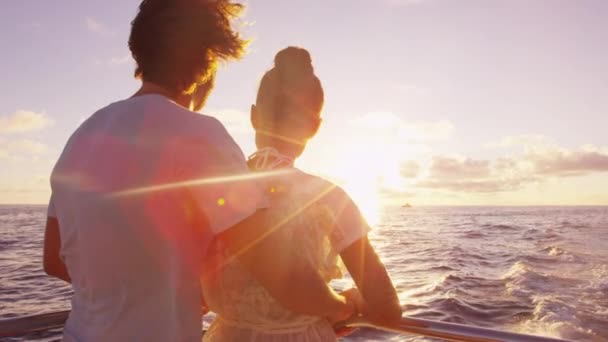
52,263
381,304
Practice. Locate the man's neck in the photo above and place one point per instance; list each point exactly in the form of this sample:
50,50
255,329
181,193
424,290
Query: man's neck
183,100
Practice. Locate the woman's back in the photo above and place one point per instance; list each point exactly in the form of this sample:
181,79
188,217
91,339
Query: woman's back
320,221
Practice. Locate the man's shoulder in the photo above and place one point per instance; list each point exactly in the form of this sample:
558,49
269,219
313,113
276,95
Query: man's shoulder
190,122
203,123
173,116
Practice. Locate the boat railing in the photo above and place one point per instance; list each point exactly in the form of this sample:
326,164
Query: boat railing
20,326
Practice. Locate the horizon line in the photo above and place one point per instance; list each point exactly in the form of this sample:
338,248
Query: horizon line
413,206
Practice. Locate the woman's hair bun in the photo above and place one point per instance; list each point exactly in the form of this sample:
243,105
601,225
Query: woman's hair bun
293,62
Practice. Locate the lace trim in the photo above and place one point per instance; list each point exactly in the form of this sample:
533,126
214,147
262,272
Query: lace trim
269,158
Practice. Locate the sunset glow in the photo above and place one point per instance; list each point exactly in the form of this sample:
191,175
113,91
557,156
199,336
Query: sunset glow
430,103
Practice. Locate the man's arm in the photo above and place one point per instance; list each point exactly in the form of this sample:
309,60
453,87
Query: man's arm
260,249
52,263
259,245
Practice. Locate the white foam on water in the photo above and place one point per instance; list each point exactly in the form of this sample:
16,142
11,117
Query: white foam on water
599,280
522,281
555,318
562,253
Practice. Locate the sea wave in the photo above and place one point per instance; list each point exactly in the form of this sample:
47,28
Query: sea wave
553,317
534,270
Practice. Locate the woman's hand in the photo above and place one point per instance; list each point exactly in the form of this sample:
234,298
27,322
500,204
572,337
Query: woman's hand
353,295
342,331
350,309
356,300
204,307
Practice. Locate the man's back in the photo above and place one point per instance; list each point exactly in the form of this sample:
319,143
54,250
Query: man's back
132,235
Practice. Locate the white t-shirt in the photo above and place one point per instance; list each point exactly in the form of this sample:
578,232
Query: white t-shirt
139,191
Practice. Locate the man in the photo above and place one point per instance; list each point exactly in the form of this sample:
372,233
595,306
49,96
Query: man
145,184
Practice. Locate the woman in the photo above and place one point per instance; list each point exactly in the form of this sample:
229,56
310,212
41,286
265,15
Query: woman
328,226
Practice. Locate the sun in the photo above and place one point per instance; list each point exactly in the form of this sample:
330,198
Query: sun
360,180
366,171
367,200
365,165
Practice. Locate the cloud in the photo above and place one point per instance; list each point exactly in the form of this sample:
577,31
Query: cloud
392,193
470,175
17,149
454,168
387,123
32,184
27,146
568,163
97,27
116,61
476,185
526,142
545,157
409,169
23,121
428,131
540,160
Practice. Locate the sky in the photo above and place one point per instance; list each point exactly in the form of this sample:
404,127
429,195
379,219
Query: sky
429,102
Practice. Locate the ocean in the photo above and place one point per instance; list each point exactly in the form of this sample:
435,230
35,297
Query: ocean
539,270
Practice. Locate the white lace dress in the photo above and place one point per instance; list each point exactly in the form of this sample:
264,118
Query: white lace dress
328,222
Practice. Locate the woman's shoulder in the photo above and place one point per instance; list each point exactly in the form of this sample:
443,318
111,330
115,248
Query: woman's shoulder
319,186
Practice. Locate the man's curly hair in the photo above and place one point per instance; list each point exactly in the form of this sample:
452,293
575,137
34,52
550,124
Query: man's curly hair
178,43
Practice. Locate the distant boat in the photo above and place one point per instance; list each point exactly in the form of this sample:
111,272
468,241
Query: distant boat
406,205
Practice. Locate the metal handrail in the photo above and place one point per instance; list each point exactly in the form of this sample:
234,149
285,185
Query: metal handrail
452,331
19,326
